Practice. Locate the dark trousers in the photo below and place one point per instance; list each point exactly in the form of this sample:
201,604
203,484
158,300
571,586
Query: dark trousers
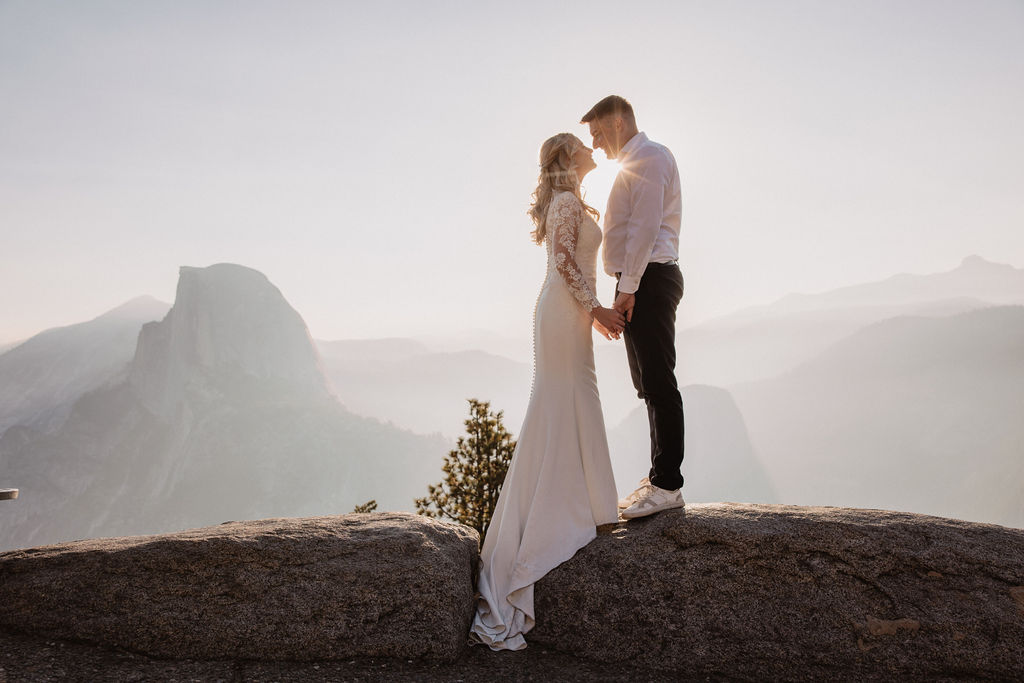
651,349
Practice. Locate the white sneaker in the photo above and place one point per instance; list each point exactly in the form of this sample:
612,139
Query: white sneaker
652,499
631,498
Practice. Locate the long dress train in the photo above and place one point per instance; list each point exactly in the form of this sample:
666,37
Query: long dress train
559,485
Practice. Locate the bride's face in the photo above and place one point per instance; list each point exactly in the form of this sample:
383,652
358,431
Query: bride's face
583,160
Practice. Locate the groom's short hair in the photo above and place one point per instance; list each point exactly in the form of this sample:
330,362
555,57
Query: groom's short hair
613,104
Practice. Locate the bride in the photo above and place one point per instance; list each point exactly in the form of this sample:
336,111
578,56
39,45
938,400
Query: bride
559,485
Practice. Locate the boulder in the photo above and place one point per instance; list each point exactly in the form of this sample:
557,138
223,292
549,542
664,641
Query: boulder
773,592
393,584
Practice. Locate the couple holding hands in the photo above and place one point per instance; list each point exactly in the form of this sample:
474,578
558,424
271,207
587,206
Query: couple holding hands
559,487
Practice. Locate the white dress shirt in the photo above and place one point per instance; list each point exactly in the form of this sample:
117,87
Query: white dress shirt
641,224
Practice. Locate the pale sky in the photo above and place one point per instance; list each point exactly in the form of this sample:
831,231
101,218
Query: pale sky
375,160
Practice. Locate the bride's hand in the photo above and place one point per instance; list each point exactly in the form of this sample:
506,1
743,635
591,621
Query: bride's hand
603,331
611,320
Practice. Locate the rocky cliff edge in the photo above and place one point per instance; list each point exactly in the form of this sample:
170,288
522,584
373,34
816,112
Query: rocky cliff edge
726,591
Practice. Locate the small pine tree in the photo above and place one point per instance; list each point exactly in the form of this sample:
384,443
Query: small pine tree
473,472
368,506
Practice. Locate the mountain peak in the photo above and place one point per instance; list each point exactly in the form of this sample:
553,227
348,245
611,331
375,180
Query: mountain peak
224,272
228,321
977,263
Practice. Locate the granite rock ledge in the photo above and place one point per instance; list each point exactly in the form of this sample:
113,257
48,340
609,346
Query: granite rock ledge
721,591
775,592
320,588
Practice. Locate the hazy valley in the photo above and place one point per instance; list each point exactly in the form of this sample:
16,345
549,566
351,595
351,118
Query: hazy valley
902,394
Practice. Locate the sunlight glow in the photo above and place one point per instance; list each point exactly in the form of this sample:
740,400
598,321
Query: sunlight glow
598,183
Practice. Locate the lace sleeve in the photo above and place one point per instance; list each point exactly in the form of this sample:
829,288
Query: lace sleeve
564,229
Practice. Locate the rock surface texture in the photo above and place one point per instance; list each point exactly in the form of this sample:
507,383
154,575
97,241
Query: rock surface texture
724,592
386,584
771,592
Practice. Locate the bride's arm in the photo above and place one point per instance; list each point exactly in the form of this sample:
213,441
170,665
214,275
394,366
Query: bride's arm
567,216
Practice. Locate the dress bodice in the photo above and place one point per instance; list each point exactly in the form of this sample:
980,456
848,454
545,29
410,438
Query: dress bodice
573,239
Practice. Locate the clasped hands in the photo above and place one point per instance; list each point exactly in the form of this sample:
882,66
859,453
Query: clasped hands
610,322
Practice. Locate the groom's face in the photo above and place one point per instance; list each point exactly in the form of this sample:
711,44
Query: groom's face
605,132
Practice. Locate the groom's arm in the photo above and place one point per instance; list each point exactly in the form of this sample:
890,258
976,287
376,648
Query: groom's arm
646,184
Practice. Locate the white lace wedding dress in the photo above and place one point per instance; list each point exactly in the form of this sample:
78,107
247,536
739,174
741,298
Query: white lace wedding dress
559,485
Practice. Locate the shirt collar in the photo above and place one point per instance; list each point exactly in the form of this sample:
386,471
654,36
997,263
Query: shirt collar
633,145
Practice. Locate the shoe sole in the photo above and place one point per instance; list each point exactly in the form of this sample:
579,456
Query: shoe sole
650,511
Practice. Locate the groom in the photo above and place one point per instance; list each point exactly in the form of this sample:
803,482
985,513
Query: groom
641,249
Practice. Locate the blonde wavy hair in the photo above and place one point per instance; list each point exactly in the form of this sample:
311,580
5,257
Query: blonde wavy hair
557,173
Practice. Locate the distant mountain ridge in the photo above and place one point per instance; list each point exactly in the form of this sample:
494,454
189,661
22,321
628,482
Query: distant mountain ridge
912,413
358,353
41,377
426,391
223,414
768,345
975,278
5,346
761,342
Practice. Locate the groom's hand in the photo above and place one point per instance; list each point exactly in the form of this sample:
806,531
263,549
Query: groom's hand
624,305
